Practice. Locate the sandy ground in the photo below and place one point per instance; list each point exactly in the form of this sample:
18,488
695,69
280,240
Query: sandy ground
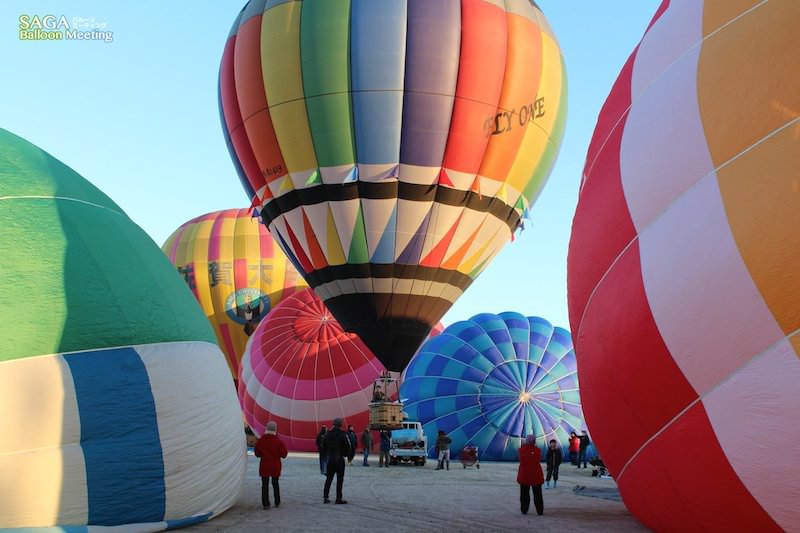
407,498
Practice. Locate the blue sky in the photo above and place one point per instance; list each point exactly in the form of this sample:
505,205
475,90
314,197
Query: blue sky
138,117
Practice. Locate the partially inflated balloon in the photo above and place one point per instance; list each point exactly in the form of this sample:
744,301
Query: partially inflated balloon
236,272
302,370
115,407
684,269
392,146
493,379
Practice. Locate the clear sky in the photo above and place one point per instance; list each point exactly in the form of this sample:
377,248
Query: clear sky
138,117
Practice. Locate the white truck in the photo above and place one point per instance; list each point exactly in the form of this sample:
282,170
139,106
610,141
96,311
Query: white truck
409,444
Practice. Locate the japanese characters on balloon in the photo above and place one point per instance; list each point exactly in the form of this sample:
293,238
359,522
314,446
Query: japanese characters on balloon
392,148
683,272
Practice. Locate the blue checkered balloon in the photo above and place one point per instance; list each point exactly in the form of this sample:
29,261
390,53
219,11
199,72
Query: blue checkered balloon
490,380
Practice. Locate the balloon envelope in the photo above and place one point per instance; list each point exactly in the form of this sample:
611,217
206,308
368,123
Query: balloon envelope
683,269
302,370
236,272
490,380
392,147
115,405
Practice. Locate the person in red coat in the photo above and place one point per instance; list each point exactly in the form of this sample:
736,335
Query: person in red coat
529,476
271,449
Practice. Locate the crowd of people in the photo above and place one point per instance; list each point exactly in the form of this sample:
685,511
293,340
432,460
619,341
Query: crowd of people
337,448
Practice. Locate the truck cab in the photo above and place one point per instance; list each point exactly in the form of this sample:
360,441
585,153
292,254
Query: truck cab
409,444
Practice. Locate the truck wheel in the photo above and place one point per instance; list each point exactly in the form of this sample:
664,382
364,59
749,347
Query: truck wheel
423,462
478,466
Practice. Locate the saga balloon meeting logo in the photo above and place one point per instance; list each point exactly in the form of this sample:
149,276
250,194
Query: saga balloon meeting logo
59,28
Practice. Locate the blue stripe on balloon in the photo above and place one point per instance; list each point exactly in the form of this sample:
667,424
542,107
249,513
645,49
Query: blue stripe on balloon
377,60
119,437
432,56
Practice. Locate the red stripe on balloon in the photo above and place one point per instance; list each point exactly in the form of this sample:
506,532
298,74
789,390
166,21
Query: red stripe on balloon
625,357
230,353
711,495
233,118
481,70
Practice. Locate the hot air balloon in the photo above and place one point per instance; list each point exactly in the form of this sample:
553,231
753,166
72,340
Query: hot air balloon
302,370
392,147
108,370
490,380
236,272
683,269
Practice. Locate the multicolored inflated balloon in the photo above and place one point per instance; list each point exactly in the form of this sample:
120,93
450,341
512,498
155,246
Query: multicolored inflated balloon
392,146
684,269
490,380
236,272
115,405
302,370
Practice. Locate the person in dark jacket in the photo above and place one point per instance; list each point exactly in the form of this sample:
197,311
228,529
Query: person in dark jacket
271,449
553,459
386,445
366,444
351,436
584,445
443,450
322,461
335,446
529,476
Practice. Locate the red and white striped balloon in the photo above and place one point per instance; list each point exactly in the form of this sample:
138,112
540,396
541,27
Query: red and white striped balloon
302,370
684,270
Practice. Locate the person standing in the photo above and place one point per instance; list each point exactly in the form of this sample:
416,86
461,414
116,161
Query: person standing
574,448
322,461
443,450
386,445
366,443
271,449
553,460
351,436
335,446
582,447
529,476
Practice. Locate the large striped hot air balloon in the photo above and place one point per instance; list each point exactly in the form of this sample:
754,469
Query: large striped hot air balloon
302,370
392,146
493,379
236,272
684,270
115,406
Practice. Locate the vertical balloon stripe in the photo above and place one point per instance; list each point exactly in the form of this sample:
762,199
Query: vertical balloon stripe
480,82
325,56
431,70
542,121
534,187
377,60
520,86
251,96
283,81
763,121
233,125
110,448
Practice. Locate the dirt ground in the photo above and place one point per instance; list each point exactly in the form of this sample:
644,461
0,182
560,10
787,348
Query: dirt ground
408,498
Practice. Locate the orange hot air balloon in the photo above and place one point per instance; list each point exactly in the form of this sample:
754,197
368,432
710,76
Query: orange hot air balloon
235,270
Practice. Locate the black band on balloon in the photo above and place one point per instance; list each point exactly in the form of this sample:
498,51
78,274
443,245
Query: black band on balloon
396,270
389,189
393,326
